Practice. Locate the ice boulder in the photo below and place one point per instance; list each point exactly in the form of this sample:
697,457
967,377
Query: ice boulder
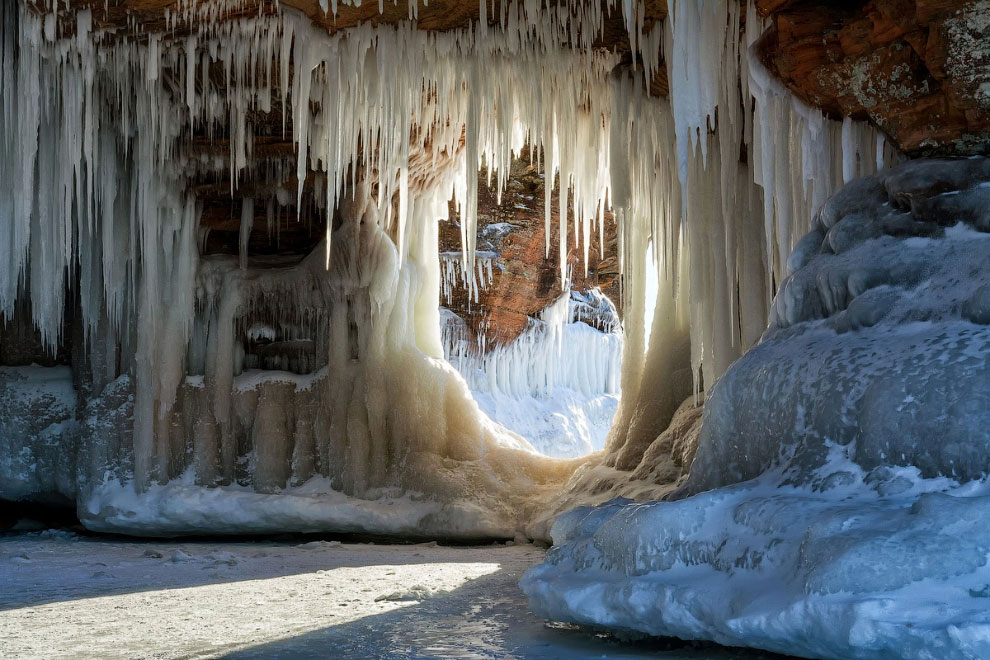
837,505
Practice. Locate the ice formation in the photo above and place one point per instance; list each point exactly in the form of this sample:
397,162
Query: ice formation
98,216
877,338
722,227
836,507
557,384
454,273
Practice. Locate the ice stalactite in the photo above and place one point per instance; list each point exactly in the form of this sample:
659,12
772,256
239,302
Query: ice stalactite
800,158
795,156
554,351
723,193
454,273
722,220
166,295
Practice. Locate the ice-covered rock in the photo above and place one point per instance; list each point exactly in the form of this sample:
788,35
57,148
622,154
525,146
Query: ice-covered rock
878,340
837,504
38,434
874,565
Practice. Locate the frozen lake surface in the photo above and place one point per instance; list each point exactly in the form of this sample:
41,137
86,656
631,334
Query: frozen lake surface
70,596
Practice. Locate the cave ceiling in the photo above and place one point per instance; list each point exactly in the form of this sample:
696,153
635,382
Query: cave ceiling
918,69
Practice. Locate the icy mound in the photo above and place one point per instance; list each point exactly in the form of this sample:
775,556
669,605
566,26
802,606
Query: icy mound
837,504
878,339
842,573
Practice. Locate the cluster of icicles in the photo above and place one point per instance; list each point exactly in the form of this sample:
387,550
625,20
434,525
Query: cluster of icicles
455,274
93,174
575,344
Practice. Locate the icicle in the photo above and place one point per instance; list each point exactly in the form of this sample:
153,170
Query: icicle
247,224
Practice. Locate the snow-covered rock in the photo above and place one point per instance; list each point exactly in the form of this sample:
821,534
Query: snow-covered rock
878,339
837,506
37,433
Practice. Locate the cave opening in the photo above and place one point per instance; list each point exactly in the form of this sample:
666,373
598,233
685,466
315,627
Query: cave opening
305,261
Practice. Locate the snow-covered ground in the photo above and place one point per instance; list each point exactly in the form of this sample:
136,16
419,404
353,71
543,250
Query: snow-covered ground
68,596
565,424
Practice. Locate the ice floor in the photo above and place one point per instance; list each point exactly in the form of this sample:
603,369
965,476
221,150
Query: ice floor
68,596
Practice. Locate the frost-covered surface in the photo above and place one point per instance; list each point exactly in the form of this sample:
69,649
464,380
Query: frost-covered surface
878,340
838,503
74,597
182,508
37,433
849,571
557,384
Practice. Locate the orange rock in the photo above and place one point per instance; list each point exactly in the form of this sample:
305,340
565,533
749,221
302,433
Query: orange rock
915,68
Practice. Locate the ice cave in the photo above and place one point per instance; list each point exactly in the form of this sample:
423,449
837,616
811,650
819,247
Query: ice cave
551,329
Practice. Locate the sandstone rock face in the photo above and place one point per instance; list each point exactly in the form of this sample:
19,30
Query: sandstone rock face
918,69
525,276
